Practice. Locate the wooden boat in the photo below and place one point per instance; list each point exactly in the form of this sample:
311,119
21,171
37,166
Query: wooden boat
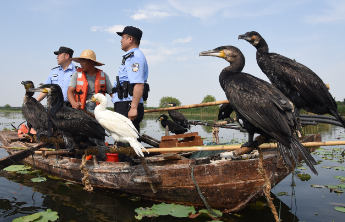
228,185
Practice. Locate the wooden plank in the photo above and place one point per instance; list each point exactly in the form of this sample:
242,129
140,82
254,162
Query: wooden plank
179,136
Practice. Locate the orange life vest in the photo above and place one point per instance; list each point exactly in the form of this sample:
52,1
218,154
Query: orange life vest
82,86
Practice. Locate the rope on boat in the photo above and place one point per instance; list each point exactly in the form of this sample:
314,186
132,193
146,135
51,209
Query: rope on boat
85,179
267,186
274,182
210,210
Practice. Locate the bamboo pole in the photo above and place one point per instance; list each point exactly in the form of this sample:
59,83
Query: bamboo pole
188,106
234,147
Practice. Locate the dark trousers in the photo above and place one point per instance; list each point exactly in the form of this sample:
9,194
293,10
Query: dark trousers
124,107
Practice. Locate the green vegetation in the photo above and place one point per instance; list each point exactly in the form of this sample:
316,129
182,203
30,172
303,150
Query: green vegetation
168,99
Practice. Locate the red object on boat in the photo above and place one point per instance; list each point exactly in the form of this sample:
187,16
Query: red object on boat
112,157
89,157
25,129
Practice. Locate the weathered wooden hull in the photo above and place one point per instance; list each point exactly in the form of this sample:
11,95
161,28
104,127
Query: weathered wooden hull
228,185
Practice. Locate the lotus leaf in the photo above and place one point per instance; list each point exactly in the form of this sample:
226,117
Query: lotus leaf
144,211
341,209
53,177
340,168
341,186
172,209
339,177
208,213
302,168
27,218
331,186
14,168
327,167
282,193
47,216
23,172
338,191
38,179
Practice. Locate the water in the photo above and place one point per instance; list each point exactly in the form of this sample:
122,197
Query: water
19,196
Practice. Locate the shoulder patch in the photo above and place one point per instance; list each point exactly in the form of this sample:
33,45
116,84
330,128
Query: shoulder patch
135,67
55,67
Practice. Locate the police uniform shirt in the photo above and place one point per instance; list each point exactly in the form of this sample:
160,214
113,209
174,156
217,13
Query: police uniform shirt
62,78
134,70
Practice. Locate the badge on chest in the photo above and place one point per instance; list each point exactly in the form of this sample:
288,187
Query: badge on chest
135,67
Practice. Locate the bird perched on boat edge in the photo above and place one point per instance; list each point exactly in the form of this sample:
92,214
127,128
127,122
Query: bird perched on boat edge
178,117
75,125
173,127
260,107
34,112
119,126
301,85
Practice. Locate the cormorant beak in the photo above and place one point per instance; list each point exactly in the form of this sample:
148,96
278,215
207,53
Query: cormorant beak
213,52
250,39
159,118
91,100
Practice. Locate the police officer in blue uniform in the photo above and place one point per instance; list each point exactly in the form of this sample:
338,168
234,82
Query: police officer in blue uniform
61,75
130,88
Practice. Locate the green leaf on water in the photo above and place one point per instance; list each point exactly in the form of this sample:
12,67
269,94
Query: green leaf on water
327,167
302,168
331,186
282,193
205,211
47,216
144,211
53,177
172,209
341,209
339,177
340,168
338,191
14,168
23,172
27,218
341,186
38,179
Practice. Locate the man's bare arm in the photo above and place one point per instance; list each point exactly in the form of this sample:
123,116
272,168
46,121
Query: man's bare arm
138,90
71,99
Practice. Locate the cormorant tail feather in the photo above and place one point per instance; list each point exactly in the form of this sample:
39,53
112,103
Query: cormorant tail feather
338,117
307,157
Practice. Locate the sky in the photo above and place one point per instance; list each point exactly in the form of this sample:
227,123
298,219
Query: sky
174,33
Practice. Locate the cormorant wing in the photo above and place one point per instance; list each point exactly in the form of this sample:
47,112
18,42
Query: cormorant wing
35,114
78,123
178,118
117,123
261,104
305,81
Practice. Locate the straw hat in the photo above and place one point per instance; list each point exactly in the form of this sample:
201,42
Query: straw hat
87,54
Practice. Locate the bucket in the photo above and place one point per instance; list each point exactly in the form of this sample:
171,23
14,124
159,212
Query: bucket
112,157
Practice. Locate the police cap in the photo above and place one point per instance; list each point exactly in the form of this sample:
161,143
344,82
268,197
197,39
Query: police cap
66,50
132,31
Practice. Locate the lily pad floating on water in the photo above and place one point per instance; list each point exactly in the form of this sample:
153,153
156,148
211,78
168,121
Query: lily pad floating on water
14,168
39,179
317,186
331,186
304,177
23,172
27,218
341,186
340,168
339,177
174,210
327,167
282,194
43,216
340,209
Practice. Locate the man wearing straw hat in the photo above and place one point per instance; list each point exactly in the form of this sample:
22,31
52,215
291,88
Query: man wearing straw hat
130,88
61,75
87,81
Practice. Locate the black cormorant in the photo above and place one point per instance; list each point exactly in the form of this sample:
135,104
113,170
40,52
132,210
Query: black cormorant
297,82
73,124
34,112
260,107
178,117
173,127
224,111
